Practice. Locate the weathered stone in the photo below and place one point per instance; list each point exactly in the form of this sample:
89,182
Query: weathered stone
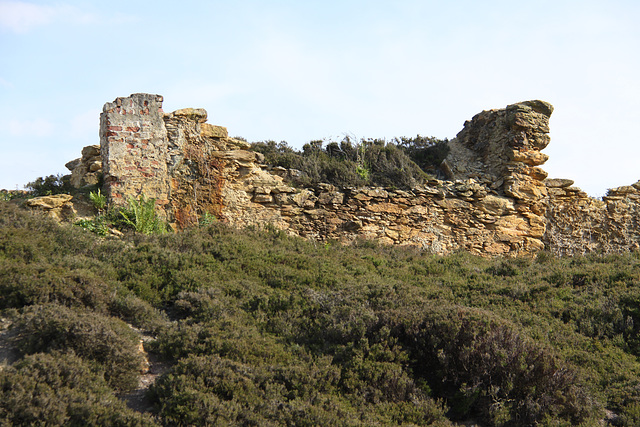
73,164
95,166
352,225
623,190
281,188
58,206
494,205
334,198
388,208
376,192
237,155
211,131
49,202
302,197
262,198
558,182
531,158
195,114
90,151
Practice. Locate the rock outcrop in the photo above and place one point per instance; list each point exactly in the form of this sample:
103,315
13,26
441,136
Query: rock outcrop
57,206
497,200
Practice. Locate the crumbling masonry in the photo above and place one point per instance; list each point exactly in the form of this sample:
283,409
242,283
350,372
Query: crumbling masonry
497,201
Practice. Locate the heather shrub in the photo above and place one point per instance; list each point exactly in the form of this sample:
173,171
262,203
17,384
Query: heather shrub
39,283
203,390
58,389
107,342
310,333
427,152
486,368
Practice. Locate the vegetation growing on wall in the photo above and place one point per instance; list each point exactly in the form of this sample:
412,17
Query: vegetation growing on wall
400,163
263,329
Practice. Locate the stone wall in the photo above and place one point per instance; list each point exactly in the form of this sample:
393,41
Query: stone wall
579,224
497,200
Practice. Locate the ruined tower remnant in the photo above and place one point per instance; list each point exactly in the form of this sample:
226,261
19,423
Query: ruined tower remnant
133,143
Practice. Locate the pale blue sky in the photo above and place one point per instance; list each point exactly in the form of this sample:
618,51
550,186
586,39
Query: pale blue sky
303,70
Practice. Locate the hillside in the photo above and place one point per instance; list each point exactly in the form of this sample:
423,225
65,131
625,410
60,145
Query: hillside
258,328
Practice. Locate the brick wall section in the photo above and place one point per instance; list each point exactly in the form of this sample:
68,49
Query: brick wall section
133,144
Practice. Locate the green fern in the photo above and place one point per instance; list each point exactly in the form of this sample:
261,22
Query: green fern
142,216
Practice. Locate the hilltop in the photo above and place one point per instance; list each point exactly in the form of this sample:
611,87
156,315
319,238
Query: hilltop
261,328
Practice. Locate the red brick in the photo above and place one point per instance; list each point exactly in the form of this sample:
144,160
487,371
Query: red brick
114,128
132,129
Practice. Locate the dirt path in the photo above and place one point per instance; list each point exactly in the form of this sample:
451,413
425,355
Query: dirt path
152,369
7,354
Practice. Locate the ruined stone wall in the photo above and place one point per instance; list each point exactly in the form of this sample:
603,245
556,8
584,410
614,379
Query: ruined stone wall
579,224
497,201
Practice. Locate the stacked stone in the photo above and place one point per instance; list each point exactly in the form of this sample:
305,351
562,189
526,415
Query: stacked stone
203,165
579,224
440,217
501,148
86,170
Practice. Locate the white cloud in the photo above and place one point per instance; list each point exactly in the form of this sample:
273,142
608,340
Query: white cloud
25,128
5,83
86,125
21,17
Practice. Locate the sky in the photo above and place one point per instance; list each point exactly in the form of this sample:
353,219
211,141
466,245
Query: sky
302,70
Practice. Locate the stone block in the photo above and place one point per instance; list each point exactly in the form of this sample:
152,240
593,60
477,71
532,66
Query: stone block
494,205
73,164
90,151
196,114
211,131
558,182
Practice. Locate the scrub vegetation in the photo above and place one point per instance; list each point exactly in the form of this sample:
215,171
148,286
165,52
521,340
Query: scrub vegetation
259,328
400,163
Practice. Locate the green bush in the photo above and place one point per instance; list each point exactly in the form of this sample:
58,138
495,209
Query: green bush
97,225
488,369
52,184
59,389
108,342
208,390
427,152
